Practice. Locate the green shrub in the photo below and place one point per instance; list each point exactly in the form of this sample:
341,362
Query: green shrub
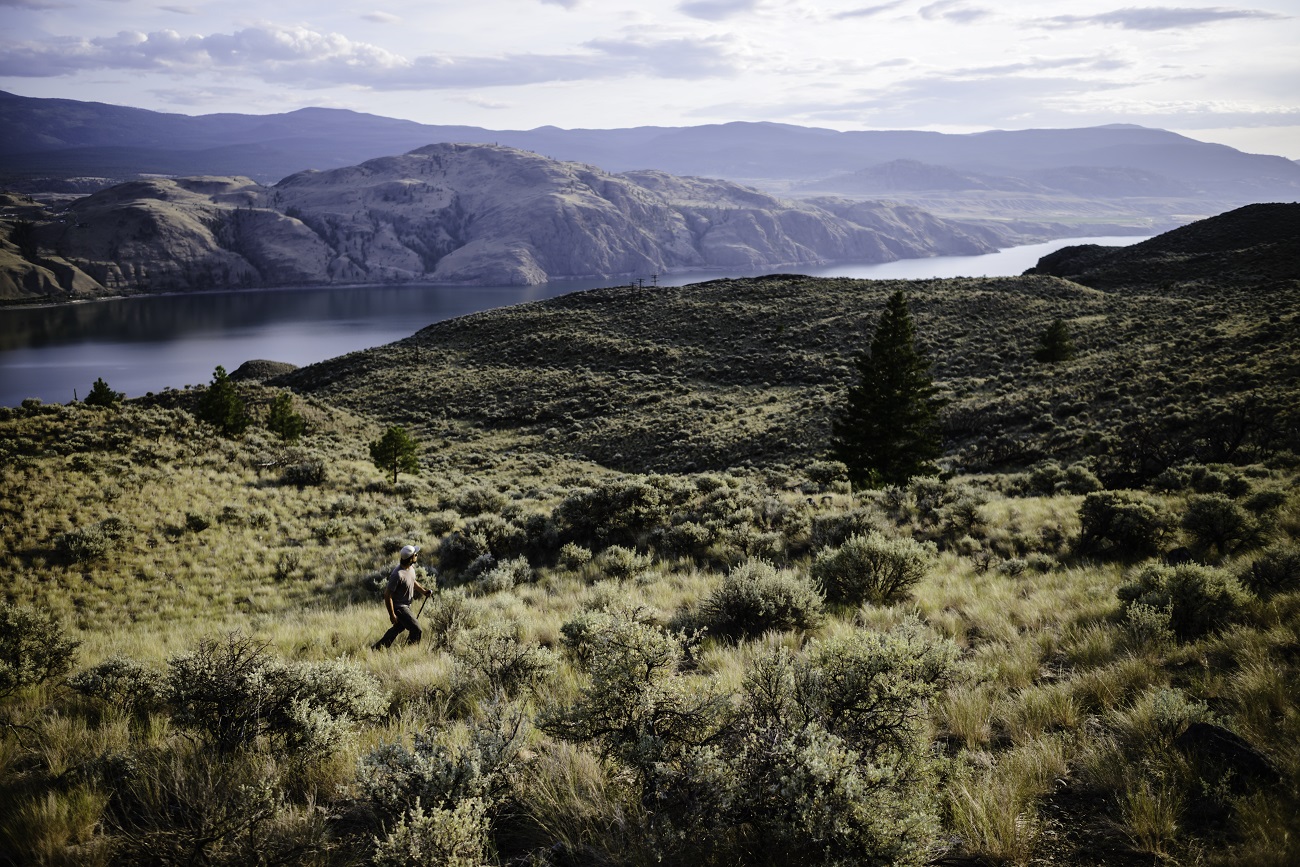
617,512
504,576
123,683
755,597
186,804
287,565
1123,525
574,557
440,772
455,837
1050,478
1276,570
496,662
232,693
94,542
33,648
872,568
833,530
621,563
1199,599
637,705
478,500
311,473
824,763
1215,522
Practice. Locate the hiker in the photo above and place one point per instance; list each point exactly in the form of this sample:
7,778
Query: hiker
402,589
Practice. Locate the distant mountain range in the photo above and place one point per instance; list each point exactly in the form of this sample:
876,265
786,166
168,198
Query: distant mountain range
61,139
473,214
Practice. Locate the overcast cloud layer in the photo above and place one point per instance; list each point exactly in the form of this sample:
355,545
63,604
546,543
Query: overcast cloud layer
1223,72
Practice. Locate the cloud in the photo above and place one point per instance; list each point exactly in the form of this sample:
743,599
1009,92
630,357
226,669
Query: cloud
868,11
953,10
308,58
381,17
716,10
1158,18
34,4
181,10
567,4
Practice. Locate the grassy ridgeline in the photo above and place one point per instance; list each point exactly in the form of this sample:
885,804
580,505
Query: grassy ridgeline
1060,729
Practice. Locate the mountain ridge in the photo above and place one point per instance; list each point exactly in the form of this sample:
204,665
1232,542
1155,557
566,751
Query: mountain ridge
453,213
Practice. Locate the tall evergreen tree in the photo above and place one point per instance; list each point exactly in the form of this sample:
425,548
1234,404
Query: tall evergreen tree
395,451
222,406
283,421
888,429
1055,344
102,395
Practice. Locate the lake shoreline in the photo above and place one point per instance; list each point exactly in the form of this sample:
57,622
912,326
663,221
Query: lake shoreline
143,343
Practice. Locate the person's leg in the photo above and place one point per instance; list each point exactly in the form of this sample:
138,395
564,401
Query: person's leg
391,635
406,620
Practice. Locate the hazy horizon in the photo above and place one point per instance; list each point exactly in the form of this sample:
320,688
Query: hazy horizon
950,66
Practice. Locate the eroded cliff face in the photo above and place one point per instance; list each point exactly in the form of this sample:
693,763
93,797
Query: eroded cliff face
475,214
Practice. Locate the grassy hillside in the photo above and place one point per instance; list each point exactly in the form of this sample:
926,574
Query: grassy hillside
659,636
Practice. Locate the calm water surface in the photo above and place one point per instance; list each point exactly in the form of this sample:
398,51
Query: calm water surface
147,344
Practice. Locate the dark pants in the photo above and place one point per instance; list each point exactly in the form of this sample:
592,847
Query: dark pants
405,622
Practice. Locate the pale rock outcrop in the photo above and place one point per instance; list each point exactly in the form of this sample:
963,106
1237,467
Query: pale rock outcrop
477,214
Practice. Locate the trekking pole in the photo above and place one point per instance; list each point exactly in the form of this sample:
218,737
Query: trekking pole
422,601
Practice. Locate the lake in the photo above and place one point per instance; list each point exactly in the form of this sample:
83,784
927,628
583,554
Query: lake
147,344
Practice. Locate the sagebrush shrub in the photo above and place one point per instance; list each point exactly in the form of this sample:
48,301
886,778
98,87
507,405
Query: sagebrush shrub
872,568
637,705
1121,524
823,763
1199,599
1276,570
478,500
33,648
574,557
756,597
232,692
439,771
92,542
1214,522
621,563
504,576
440,837
121,682
311,473
494,661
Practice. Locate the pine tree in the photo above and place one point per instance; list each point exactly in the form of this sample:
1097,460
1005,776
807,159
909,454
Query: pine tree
888,430
222,406
283,421
1055,344
102,395
395,451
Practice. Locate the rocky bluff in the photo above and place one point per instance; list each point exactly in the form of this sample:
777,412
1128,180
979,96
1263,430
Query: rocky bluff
474,214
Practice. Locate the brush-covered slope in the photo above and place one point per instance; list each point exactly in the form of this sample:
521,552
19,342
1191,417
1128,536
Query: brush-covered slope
718,374
476,214
1253,243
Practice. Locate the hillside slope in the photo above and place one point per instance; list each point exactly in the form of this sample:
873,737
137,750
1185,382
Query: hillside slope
478,214
1255,243
720,374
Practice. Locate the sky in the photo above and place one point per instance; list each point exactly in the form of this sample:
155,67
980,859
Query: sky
1226,72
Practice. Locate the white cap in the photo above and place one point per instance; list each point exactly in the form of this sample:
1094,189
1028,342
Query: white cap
409,551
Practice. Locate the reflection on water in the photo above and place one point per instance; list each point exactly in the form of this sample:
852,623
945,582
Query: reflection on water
147,344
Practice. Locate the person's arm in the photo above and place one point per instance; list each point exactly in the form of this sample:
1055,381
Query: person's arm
388,602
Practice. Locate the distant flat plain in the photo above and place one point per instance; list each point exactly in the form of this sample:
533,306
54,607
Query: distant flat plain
150,343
